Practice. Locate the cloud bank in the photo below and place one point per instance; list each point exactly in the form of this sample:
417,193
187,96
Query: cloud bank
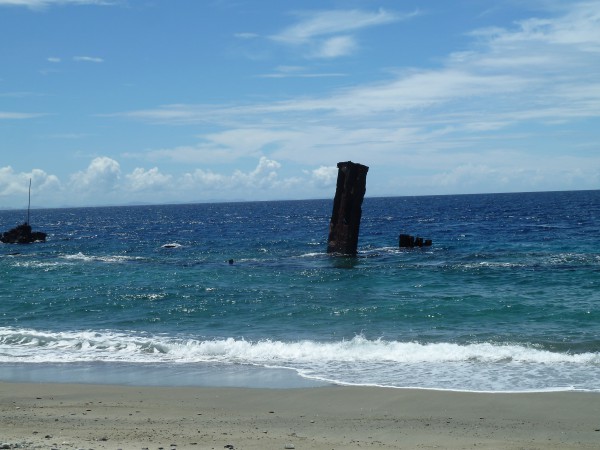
103,182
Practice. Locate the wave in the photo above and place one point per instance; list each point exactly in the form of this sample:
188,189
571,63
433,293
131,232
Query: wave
361,361
101,258
112,346
71,260
41,264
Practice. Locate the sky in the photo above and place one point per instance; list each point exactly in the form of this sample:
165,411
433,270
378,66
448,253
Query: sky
118,102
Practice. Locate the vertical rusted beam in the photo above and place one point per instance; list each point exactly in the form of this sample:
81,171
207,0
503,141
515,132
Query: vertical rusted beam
347,208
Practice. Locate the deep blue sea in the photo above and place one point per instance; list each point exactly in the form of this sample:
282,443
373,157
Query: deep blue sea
506,299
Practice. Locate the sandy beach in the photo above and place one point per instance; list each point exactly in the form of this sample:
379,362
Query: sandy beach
65,416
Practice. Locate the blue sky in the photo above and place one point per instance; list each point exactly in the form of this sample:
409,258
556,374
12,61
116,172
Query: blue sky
166,101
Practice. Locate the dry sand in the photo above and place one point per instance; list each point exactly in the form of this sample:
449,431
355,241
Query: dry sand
70,416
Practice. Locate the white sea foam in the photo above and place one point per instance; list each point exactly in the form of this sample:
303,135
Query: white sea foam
46,265
83,345
100,258
485,366
73,259
312,254
171,245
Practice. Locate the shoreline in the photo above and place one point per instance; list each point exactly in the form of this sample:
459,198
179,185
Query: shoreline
156,375
202,375
44,415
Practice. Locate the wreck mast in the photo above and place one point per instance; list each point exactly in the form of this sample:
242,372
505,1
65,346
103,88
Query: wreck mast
345,218
29,202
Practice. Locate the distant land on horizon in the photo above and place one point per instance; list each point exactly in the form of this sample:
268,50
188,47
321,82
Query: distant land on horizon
134,204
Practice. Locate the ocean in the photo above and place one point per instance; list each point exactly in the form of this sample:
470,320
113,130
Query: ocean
507,299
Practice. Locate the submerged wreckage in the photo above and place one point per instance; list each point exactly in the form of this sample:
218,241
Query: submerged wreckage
347,211
22,234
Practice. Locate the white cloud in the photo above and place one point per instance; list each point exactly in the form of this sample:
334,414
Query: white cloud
102,174
147,180
418,89
227,146
7,115
326,34
175,113
500,171
67,136
495,83
264,176
190,154
53,59
14,187
467,174
414,90
332,22
42,4
205,178
299,72
16,184
579,27
246,35
103,182
336,46
325,176
92,59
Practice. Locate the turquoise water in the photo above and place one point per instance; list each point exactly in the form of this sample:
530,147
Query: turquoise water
506,299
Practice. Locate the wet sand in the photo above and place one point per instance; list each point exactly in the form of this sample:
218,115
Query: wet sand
78,416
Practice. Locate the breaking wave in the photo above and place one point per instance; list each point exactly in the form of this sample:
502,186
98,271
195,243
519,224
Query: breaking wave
359,361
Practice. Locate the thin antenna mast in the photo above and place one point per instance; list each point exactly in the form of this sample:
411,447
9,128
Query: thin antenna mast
29,203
